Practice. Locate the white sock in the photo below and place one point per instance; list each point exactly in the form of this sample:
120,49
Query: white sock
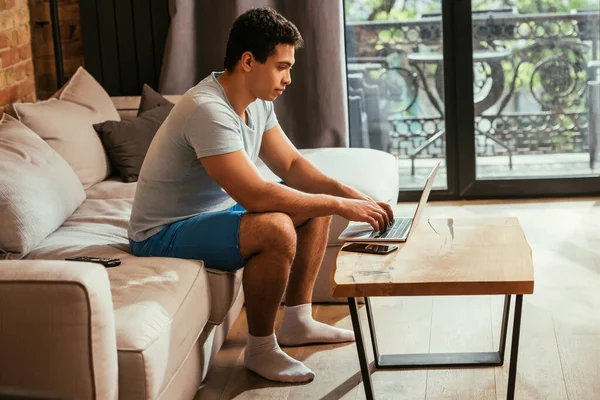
298,327
264,357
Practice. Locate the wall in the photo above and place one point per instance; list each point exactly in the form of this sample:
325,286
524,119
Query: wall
27,67
16,65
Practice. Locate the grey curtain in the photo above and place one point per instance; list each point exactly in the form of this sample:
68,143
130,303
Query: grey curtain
312,112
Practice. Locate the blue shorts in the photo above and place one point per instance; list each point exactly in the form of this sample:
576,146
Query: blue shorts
211,237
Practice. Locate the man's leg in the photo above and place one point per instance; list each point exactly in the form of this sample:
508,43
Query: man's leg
268,243
310,249
298,327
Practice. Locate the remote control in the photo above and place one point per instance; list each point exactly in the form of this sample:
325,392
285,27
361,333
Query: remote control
107,262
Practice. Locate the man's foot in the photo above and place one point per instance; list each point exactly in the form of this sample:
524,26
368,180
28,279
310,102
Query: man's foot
264,357
298,327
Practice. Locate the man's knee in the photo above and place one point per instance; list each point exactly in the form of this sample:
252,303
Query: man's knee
279,234
272,232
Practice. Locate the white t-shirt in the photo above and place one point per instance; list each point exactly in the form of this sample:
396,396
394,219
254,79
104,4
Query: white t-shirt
172,184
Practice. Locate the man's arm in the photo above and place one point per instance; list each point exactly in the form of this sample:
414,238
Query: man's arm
304,176
282,157
238,176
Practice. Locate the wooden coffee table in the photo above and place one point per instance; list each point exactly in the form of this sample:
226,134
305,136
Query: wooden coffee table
443,257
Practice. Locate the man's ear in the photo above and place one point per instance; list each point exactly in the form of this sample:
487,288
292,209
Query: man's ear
247,61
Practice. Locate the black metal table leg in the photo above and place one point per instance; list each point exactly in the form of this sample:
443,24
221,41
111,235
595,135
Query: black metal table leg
437,360
360,347
514,348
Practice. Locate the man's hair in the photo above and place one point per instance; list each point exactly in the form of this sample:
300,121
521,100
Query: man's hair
259,31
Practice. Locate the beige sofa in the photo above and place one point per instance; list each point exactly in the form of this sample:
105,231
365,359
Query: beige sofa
149,328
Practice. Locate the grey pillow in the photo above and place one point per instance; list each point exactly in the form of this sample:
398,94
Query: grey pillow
152,99
126,142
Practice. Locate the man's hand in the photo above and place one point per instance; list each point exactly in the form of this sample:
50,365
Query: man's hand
386,207
375,214
347,192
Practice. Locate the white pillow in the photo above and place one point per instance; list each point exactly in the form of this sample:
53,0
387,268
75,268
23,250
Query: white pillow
84,90
38,189
69,129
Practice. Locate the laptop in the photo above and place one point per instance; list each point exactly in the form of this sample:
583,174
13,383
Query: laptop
400,229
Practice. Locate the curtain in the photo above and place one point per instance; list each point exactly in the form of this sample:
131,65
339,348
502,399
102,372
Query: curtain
312,112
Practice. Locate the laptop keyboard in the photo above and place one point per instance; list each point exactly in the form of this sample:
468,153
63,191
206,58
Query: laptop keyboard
396,231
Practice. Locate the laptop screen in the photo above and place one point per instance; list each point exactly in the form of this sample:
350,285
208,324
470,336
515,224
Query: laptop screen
424,197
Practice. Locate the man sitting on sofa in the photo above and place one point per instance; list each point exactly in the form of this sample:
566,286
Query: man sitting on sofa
199,194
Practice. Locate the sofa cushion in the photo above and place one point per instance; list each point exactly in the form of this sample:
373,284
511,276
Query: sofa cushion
84,90
369,171
161,304
126,142
68,128
38,189
151,99
372,172
225,287
112,188
97,226
161,307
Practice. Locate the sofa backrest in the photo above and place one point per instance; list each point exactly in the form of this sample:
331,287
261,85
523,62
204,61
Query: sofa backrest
127,106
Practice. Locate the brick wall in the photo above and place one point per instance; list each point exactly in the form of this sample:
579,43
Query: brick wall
27,67
16,67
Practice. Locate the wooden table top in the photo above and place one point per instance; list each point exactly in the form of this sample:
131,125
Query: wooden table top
443,256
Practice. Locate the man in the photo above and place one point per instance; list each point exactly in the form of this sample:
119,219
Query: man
199,195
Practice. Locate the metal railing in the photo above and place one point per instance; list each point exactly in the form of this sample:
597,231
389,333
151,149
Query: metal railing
530,85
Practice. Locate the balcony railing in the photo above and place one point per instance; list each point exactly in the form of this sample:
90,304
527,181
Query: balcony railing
530,88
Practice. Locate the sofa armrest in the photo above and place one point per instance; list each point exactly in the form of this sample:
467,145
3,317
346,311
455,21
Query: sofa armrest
57,329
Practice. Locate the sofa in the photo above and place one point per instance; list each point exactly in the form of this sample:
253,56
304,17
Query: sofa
150,327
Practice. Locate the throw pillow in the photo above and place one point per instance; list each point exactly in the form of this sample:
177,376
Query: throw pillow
68,128
38,189
84,90
127,141
152,99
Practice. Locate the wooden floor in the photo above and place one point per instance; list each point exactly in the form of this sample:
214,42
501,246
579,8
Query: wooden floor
559,352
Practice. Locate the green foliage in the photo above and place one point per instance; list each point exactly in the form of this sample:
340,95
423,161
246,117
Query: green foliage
387,10
363,10
395,15
544,6
391,40
398,10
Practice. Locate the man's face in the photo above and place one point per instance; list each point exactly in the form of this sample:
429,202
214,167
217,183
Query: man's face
270,79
